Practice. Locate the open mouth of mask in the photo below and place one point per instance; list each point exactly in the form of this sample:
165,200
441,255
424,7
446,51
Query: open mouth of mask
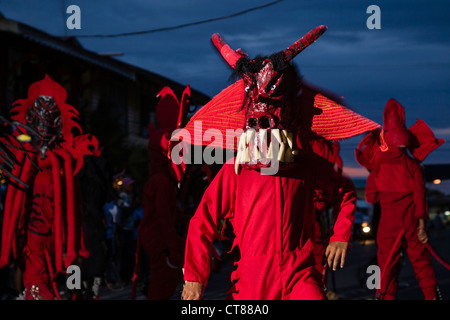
261,148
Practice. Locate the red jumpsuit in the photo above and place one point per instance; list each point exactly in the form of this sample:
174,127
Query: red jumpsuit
156,233
397,183
273,218
158,237
39,240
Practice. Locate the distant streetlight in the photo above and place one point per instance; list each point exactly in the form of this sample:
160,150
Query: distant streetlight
437,181
365,227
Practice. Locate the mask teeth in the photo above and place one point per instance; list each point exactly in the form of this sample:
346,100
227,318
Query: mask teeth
246,155
237,162
276,135
270,151
262,146
251,142
281,152
288,138
250,135
242,141
262,139
251,154
280,140
257,153
240,153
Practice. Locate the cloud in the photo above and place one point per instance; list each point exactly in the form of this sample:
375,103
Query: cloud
441,132
443,187
263,39
355,172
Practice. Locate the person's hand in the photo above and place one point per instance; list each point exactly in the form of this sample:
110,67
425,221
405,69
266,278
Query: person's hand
335,253
422,235
421,232
192,291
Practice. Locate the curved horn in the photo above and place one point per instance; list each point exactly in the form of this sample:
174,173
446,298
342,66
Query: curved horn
302,43
227,53
184,107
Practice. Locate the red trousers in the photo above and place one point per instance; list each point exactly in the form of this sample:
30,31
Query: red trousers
37,273
158,237
163,278
417,253
397,183
38,250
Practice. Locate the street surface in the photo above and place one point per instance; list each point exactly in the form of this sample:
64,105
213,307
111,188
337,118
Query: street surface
348,283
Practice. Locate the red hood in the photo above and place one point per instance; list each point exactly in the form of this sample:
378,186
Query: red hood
395,131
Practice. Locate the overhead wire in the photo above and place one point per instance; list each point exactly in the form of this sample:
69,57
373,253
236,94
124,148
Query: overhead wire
184,25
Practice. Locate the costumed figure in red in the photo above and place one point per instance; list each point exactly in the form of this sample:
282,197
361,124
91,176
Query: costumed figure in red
42,228
157,234
396,181
268,191
325,212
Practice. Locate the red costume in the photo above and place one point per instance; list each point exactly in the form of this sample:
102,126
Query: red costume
273,214
396,181
42,224
329,151
157,235
274,232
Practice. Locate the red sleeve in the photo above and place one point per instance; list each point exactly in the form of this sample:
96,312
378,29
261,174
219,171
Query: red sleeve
421,209
341,193
372,195
217,202
346,204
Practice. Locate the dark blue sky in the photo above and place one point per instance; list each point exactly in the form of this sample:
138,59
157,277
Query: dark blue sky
407,59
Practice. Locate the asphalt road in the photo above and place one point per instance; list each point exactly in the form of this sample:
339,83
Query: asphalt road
348,283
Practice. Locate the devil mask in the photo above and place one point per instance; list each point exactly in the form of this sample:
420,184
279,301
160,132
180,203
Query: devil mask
44,117
51,123
277,112
271,107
